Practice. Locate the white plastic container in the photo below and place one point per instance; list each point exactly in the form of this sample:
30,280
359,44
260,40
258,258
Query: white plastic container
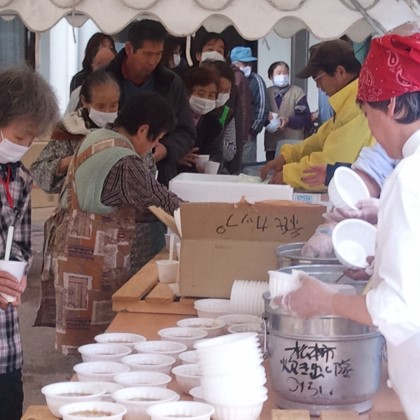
110,411
182,410
208,188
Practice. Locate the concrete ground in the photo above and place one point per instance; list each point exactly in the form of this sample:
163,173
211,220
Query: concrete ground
42,363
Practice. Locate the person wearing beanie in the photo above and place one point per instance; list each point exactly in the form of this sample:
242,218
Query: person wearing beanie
389,96
335,69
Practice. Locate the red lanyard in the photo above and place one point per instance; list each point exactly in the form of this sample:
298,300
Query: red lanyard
6,187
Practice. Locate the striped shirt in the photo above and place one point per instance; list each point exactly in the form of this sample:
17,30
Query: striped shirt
130,183
20,216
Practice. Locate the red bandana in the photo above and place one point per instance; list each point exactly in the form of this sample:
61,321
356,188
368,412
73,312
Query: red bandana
391,69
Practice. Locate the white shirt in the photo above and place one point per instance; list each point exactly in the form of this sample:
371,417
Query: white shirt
394,304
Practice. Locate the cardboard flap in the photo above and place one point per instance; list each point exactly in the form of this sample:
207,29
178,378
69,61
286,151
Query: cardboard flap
273,221
165,218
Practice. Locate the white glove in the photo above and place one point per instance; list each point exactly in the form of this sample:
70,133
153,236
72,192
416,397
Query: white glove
320,243
367,210
312,298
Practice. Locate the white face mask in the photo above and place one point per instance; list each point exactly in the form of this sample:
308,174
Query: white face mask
281,80
212,56
11,152
177,59
246,71
101,119
222,98
202,106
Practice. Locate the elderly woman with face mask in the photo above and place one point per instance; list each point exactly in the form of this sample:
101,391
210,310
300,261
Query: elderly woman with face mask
289,112
203,85
99,96
389,96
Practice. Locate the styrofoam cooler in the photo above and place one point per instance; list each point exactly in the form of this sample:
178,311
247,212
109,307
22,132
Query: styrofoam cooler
207,188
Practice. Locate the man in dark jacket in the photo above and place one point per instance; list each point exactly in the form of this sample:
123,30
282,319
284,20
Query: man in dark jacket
137,69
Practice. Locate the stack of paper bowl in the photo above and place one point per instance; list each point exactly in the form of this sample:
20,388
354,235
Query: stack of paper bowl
232,375
246,296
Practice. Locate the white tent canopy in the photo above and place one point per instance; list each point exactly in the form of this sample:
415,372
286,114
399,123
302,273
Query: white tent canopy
253,19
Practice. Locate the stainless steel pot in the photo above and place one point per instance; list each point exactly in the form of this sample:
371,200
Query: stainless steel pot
328,273
326,363
291,254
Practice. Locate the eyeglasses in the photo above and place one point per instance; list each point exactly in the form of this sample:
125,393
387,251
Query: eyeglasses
319,76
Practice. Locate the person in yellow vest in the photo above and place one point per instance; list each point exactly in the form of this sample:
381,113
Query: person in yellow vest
335,69
107,182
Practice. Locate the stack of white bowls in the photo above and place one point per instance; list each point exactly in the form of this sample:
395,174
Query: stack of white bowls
246,297
232,375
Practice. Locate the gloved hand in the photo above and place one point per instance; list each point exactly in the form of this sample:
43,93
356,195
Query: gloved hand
312,298
362,273
366,210
320,243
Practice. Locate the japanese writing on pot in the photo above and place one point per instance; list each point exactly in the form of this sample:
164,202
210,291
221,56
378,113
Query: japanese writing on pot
286,225
310,366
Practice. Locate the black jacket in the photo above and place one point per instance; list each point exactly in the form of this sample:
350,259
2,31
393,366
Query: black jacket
181,139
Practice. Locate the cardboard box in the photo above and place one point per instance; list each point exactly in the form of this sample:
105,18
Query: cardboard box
206,188
222,242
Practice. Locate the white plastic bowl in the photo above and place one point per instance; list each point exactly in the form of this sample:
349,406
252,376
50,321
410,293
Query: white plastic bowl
212,308
110,410
197,394
187,410
187,377
187,336
138,399
212,326
234,319
143,378
126,339
188,357
109,352
62,393
149,362
99,371
170,348
109,387
346,189
353,241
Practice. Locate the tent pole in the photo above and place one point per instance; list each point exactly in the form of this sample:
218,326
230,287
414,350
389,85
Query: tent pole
372,22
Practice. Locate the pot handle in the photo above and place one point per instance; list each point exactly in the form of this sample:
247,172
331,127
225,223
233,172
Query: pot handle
265,341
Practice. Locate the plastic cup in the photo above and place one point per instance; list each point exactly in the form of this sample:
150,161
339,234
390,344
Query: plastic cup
167,270
200,162
16,269
211,167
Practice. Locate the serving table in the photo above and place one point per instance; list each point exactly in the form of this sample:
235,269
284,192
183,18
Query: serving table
145,307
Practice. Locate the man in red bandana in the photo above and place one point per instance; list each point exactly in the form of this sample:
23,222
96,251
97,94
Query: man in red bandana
389,95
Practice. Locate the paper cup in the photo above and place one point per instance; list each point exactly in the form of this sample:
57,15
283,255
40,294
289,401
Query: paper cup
211,167
167,270
16,269
200,162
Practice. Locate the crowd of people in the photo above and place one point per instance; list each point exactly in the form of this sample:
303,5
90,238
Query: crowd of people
139,117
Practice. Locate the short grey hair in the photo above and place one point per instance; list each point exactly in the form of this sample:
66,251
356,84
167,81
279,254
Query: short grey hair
24,94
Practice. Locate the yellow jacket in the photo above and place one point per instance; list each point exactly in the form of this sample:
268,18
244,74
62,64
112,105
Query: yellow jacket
339,139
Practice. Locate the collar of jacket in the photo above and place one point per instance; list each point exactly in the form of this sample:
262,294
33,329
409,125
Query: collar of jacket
338,100
163,76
